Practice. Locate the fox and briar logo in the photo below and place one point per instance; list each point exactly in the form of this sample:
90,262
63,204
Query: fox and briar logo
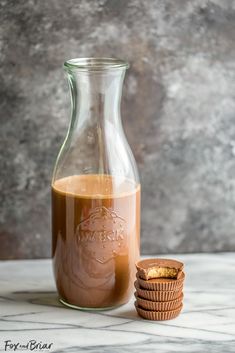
31,345
102,226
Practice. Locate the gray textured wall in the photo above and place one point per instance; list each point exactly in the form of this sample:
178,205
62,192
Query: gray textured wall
178,111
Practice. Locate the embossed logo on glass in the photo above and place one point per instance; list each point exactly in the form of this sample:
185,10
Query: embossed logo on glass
103,229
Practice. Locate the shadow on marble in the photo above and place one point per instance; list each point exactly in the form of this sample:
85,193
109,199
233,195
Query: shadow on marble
50,299
33,297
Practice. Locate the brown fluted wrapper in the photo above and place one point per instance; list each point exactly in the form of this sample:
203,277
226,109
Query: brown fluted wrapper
162,284
157,296
158,315
159,306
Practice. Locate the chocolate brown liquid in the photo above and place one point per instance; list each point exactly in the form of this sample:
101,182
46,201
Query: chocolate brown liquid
95,228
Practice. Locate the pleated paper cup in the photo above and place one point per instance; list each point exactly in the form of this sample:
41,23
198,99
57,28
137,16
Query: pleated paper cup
162,284
157,296
158,315
159,306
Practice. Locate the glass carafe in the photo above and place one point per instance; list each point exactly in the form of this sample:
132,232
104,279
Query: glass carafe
95,192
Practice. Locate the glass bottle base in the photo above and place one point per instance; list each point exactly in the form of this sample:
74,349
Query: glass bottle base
89,309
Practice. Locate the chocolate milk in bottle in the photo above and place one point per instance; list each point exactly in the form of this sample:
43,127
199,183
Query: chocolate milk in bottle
95,193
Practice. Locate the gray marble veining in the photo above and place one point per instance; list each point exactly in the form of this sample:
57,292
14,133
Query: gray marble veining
29,310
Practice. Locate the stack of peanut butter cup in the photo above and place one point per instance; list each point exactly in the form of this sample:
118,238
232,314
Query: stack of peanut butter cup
159,288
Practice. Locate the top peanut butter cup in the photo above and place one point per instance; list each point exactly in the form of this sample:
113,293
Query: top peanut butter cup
159,268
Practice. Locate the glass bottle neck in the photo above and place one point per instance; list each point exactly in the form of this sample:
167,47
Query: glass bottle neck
95,143
95,97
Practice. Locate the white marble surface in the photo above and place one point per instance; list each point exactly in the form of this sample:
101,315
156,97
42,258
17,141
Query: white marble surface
30,310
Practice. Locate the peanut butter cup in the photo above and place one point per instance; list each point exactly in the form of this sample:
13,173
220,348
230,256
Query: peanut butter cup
158,296
162,284
159,306
159,268
158,315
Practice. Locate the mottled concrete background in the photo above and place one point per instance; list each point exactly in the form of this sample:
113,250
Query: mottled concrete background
178,111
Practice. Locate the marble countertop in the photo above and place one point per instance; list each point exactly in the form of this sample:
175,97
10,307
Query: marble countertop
29,310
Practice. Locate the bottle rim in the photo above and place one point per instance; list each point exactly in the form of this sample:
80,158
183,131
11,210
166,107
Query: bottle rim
95,64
